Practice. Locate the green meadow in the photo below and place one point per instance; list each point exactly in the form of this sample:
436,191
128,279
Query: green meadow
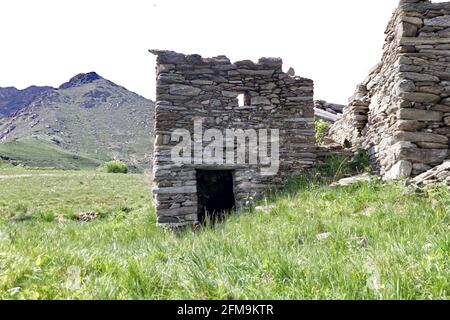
370,240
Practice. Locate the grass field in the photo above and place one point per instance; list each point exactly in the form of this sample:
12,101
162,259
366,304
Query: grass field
366,241
35,152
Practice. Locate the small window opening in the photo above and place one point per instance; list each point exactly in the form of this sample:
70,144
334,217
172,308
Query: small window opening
241,100
244,99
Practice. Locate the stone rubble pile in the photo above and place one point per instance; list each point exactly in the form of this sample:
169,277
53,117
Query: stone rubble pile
440,173
401,112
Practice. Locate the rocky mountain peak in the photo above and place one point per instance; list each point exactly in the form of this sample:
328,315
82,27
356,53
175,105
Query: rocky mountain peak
81,79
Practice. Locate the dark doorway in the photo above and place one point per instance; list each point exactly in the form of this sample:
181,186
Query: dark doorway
215,194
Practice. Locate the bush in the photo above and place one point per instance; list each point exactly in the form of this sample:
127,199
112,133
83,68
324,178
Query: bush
116,167
321,130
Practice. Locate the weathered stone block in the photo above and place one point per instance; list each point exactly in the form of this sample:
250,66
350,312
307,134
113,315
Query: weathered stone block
446,102
418,114
407,29
230,94
405,86
420,137
409,125
260,101
422,77
175,190
413,20
447,121
432,145
426,156
440,21
184,90
401,170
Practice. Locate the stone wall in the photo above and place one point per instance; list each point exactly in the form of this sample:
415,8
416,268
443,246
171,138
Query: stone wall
190,88
401,112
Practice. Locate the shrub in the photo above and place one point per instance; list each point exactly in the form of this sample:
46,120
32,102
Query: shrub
321,130
116,167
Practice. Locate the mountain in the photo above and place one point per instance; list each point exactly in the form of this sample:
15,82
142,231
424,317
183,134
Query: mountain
88,118
12,99
81,79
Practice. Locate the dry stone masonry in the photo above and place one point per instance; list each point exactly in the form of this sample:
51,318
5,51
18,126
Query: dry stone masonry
191,88
401,112
440,173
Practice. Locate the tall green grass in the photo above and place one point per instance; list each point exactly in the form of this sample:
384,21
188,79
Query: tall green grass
383,241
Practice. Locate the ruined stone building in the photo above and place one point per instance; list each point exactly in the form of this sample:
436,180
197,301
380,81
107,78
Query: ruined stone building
401,112
243,96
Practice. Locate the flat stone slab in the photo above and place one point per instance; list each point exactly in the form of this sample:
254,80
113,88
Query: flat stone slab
184,90
355,179
442,21
175,190
418,114
421,137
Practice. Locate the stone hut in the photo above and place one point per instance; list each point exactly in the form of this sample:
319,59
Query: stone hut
208,110
401,112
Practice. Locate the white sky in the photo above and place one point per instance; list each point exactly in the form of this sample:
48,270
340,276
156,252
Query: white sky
333,42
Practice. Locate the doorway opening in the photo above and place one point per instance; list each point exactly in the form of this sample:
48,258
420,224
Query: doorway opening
215,191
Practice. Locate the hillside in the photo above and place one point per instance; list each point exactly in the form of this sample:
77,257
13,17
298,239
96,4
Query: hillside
88,116
36,152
